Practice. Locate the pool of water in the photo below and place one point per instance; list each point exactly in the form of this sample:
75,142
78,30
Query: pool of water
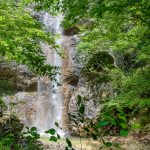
85,143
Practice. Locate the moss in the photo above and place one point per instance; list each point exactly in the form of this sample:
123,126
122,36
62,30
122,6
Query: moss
98,67
5,88
2,107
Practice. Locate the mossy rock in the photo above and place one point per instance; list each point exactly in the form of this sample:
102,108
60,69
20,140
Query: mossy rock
6,88
101,60
10,124
2,107
71,31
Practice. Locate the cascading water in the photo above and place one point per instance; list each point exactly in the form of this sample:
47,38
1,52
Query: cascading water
50,101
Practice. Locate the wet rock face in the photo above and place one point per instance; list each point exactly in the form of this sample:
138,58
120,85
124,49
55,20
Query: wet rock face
71,67
73,84
21,77
76,82
83,89
94,95
14,78
70,74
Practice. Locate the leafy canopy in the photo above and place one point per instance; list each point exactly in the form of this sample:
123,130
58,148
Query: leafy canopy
20,38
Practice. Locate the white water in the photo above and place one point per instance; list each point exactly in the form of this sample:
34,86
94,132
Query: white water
50,101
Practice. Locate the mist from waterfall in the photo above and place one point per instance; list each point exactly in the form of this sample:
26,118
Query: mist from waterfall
49,102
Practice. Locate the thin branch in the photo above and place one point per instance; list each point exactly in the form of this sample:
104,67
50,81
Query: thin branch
87,144
80,138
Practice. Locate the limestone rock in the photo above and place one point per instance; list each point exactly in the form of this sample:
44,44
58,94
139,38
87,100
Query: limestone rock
70,74
94,93
21,77
22,104
54,146
71,67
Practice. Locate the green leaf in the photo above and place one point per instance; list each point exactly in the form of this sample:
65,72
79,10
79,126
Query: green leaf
81,109
113,122
86,129
124,132
33,129
66,148
79,99
68,142
102,124
124,125
136,126
56,124
53,138
58,136
94,136
108,144
51,131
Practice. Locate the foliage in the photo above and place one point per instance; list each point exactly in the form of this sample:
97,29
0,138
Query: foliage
11,136
52,6
55,137
94,128
5,88
31,139
98,67
21,36
2,107
120,28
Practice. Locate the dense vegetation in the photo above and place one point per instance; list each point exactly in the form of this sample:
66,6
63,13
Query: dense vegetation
20,36
120,28
117,27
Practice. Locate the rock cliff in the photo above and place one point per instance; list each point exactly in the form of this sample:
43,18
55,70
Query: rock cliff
22,79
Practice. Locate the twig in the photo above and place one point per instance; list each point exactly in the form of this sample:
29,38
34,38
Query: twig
87,144
80,138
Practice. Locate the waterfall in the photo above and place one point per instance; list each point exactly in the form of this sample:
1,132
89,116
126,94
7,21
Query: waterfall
49,99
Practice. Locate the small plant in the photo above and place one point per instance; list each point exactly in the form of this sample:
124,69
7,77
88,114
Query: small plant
91,128
12,137
31,139
55,137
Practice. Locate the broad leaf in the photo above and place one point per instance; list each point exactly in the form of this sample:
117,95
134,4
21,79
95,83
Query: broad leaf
124,132
58,136
68,142
102,124
33,129
81,109
53,138
79,99
51,131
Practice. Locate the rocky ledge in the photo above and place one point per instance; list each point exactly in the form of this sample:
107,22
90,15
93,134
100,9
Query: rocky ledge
21,78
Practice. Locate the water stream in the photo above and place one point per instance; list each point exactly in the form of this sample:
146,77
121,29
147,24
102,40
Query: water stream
49,102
